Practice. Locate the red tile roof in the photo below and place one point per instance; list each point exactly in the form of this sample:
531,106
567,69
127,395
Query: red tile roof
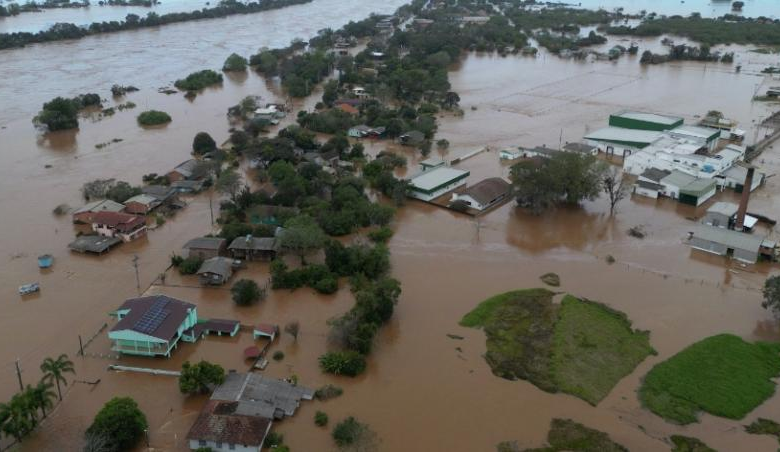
267,328
218,422
123,222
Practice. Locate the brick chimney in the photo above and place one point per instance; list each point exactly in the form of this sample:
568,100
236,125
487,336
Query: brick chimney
743,203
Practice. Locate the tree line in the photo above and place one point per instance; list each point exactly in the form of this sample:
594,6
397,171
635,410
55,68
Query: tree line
63,31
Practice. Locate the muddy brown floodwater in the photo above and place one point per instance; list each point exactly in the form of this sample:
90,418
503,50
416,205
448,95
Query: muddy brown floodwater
420,393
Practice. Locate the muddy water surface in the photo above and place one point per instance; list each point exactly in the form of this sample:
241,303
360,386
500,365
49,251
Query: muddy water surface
420,392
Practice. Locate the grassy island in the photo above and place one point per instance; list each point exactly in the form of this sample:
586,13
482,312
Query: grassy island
721,375
579,347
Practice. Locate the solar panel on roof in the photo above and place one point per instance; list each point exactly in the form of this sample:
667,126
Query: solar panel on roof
153,317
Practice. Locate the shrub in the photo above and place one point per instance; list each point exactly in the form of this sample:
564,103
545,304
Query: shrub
246,292
190,265
58,114
278,355
328,392
321,418
199,80
327,285
234,62
347,363
347,431
273,439
381,235
153,118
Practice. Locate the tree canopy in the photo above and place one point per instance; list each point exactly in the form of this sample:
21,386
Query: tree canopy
203,144
565,177
121,422
200,378
772,295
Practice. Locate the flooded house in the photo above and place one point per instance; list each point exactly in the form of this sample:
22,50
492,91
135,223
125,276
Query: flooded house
151,326
183,171
251,248
724,215
141,204
484,194
86,213
205,247
538,151
412,138
581,148
241,411
215,271
743,247
123,226
510,154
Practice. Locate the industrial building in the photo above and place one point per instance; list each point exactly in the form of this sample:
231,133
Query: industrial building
431,184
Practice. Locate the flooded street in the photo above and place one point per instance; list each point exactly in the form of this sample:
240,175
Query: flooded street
420,393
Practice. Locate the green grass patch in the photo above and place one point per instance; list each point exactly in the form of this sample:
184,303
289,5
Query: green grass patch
682,443
593,348
763,426
579,347
721,375
567,435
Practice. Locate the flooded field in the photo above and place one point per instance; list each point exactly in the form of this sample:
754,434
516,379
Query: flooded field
420,393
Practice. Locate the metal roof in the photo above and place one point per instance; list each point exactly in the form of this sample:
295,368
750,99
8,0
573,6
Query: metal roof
144,199
221,266
678,179
100,206
434,178
144,311
698,187
729,238
724,208
619,134
655,174
205,243
704,133
648,117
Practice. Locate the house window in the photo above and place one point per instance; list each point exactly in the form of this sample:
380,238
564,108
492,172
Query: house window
201,442
219,445
232,447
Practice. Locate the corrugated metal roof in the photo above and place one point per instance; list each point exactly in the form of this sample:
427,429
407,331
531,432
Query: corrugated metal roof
724,208
648,117
429,180
623,135
678,179
729,238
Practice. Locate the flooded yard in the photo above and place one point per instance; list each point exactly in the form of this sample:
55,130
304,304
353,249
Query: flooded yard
423,391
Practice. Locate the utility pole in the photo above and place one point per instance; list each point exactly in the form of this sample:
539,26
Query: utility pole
211,208
137,278
19,375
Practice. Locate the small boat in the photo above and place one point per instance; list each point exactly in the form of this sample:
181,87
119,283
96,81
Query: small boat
29,288
45,260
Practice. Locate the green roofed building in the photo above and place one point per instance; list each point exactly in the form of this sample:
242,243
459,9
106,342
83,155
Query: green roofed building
698,192
644,121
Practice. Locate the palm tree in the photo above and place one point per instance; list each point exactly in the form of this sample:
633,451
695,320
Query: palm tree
42,396
19,417
55,370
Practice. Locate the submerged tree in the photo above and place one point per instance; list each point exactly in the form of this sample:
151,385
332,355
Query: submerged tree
615,186
121,422
772,295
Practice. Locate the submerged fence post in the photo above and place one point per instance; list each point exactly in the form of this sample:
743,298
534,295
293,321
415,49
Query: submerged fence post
81,346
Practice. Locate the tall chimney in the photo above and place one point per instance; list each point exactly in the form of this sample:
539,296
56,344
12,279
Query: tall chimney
743,203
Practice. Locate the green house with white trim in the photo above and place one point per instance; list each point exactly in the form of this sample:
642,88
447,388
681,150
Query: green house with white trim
639,120
152,326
